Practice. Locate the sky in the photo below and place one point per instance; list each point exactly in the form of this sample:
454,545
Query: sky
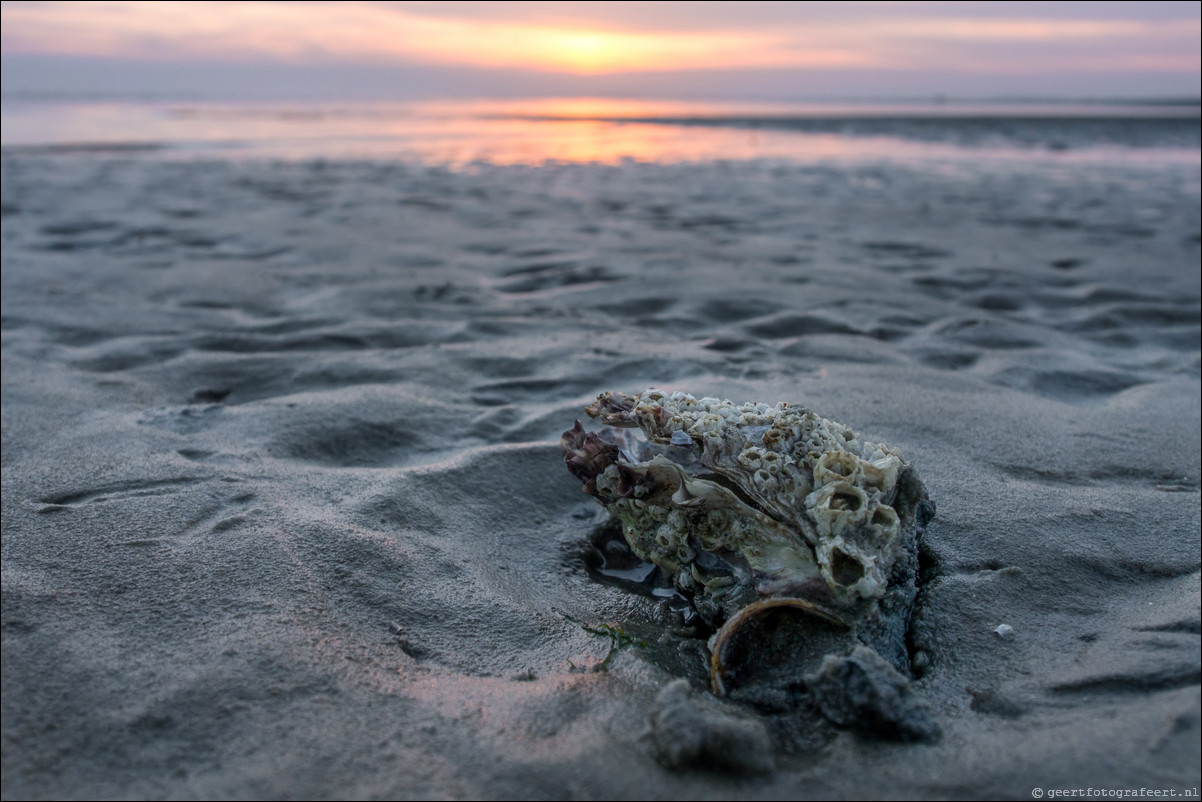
687,50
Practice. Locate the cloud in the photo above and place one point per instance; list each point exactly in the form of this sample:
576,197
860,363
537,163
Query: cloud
818,43
608,37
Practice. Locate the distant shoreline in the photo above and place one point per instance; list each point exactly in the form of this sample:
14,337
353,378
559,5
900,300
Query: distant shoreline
607,131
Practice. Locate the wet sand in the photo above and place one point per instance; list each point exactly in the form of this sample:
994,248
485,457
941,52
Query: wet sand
284,511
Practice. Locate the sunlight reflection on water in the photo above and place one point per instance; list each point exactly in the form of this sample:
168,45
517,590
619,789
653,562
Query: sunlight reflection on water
581,130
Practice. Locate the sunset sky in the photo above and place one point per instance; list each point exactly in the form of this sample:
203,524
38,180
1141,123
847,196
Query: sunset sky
701,49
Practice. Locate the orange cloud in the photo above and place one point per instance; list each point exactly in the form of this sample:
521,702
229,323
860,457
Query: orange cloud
390,32
364,31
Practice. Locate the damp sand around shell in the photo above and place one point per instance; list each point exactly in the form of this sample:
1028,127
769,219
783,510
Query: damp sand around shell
285,513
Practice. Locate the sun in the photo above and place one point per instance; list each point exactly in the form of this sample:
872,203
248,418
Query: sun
589,51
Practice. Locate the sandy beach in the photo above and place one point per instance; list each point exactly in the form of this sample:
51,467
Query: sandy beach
285,513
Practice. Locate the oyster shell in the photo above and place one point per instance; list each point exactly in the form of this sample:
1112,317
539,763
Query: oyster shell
752,501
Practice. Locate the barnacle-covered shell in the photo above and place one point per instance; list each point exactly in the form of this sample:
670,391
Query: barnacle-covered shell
740,502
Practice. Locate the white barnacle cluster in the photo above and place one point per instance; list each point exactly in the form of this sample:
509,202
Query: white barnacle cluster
809,471
671,519
780,499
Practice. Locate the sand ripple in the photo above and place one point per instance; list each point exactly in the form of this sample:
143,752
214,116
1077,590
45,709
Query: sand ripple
284,513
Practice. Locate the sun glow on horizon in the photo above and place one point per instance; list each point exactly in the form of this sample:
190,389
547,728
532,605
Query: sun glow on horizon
586,51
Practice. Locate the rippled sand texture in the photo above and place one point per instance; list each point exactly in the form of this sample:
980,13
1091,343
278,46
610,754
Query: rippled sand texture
284,512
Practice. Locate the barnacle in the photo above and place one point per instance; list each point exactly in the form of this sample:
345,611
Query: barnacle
740,503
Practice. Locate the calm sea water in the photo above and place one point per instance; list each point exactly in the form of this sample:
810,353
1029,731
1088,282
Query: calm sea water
586,130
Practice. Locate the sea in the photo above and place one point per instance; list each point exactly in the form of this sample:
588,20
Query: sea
459,134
